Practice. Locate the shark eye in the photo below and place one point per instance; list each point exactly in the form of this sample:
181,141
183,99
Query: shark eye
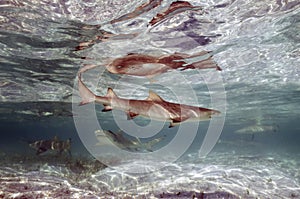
119,67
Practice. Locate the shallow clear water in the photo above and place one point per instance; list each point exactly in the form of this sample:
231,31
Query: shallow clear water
256,43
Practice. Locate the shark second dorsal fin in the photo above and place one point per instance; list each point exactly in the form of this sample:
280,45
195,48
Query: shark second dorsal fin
154,97
111,93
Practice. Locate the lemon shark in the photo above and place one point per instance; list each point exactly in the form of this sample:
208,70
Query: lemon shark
153,107
131,144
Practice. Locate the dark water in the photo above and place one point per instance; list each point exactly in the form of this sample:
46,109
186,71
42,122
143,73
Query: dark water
258,92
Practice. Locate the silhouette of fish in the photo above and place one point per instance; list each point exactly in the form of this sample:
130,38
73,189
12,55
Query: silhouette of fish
54,145
175,8
153,107
131,144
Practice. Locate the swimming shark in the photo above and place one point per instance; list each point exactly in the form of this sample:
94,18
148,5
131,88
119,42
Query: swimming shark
131,144
54,145
154,107
257,129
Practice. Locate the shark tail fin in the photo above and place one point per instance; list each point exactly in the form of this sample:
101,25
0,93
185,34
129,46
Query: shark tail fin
86,95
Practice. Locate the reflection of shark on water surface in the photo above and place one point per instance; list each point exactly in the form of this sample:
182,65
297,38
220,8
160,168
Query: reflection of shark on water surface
138,11
131,144
145,65
53,145
153,107
137,64
175,8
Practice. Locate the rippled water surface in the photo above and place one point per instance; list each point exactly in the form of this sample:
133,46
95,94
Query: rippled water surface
43,45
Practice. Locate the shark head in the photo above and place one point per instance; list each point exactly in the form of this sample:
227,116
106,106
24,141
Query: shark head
209,113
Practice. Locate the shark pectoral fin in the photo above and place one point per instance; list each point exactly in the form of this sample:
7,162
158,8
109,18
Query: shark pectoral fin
174,122
177,121
107,108
131,115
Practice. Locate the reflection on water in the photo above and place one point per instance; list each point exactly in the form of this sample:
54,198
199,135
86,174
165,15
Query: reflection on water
43,45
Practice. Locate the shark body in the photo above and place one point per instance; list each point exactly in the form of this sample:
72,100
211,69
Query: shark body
131,144
54,145
154,107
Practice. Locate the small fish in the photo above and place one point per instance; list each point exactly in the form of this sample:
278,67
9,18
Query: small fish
175,8
54,145
145,65
131,144
138,11
153,107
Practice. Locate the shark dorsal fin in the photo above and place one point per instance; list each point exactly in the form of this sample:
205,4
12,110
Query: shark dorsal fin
111,93
154,97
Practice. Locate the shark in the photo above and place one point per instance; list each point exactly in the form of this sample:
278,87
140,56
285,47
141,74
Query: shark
130,144
257,129
54,145
153,107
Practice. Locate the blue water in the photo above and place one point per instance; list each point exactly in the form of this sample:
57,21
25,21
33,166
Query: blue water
255,146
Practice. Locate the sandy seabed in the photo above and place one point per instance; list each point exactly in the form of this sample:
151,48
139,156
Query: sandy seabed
217,176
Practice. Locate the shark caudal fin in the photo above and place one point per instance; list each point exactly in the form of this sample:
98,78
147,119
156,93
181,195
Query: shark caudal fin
86,95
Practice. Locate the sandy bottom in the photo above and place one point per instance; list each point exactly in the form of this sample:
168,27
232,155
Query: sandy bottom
221,175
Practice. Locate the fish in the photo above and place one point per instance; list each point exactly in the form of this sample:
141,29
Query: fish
174,8
53,145
131,144
138,11
153,107
257,129
137,64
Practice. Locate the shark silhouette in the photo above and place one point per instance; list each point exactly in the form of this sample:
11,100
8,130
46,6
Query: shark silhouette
153,107
131,144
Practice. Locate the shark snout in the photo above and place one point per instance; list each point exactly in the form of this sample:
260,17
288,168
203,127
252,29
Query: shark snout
214,113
